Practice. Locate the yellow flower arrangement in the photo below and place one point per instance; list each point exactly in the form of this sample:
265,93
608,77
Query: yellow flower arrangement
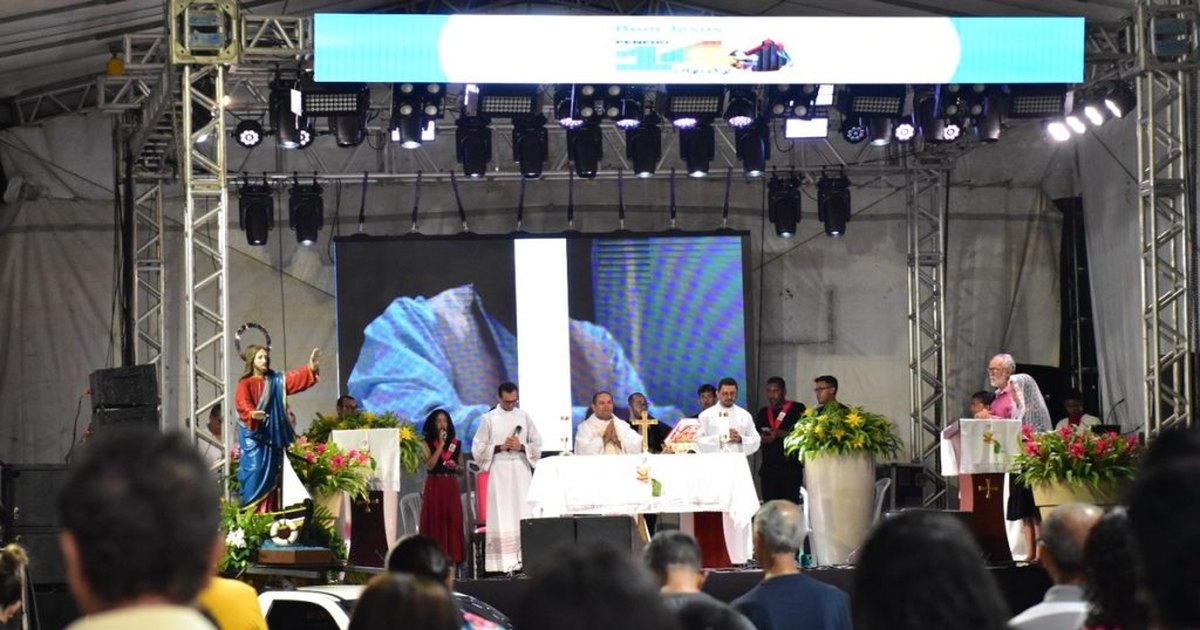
410,447
837,429
322,425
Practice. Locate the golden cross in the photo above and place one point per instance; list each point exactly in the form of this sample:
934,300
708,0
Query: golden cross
987,488
644,424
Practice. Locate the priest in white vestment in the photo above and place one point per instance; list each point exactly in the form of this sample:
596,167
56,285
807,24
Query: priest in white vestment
605,434
507,445
727,427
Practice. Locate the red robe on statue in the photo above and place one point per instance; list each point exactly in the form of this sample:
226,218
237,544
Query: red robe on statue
249,392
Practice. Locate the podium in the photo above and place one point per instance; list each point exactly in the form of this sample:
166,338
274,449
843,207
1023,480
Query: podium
979,452
372,525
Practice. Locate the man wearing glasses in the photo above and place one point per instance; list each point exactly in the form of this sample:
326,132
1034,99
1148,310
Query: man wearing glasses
826,387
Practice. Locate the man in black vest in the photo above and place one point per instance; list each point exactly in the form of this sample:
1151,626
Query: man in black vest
780,474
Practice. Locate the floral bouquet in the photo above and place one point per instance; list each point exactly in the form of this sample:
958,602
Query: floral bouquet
834,430
1075,455
324,468
410,447
245,531
322,425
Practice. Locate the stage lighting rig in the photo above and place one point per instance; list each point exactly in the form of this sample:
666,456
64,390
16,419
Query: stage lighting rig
577,105
753,145
625,105
585,147
256,211
697,148
415,107
833,204
306,211
249,133
291,130
690,105
783,204
742,108
643,146
473,144
531,145
1037,101
505,100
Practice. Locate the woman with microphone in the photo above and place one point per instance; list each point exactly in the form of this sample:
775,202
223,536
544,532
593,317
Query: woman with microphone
441,509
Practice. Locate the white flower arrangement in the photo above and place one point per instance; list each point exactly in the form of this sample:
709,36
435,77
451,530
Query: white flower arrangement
236,539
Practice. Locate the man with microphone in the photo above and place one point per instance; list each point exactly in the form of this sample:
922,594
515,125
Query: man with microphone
507,445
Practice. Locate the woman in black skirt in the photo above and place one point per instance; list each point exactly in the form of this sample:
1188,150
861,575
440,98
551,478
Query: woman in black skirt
1029,407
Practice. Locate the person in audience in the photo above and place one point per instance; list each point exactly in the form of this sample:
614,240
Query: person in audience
605,434
1112,588
232,605
706,396
922,569
13,561
592,587
674,558
1064,533
981,402
398,600
1075,415
345,405
787,599
781,474
441,505
507,445
1164,509
140,535
421,555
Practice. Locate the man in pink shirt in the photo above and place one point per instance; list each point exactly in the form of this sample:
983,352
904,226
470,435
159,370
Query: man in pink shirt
999,369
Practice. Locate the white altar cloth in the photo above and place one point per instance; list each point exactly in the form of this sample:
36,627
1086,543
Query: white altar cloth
608,484
384,447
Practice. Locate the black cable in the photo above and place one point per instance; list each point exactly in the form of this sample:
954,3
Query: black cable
762,270
362,208
417,202
282,302
74,429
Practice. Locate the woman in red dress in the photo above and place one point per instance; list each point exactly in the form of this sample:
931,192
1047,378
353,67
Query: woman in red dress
441,506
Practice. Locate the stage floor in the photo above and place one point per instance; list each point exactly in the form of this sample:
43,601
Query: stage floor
1023,585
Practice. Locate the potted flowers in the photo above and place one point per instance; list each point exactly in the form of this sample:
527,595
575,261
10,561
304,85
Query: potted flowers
1074,464
323,425
330,473
838,445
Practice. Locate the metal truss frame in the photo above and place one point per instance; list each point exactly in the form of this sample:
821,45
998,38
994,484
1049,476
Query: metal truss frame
1166,207
149,276
925,202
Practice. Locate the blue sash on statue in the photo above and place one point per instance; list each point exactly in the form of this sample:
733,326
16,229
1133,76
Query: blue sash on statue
263,448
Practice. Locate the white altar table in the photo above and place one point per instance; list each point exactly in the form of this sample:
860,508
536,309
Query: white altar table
609,484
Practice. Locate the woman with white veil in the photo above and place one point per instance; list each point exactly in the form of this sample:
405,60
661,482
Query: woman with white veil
1029,406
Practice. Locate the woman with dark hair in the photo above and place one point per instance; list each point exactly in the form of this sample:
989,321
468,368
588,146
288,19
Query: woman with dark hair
398,600
441,507
1111,583
922,569
422,555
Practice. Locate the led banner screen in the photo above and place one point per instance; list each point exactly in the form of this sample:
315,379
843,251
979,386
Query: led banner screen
439,322
541,49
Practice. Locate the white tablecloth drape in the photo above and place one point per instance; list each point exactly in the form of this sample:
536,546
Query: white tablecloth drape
384,446
609,484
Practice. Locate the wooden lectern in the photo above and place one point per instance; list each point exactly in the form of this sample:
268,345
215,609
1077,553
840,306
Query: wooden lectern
979,453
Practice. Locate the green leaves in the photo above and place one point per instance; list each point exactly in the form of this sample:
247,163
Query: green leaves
833,429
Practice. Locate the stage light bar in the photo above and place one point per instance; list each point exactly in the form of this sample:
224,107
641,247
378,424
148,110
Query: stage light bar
873,101
331,99
1036,101
689,105
506,101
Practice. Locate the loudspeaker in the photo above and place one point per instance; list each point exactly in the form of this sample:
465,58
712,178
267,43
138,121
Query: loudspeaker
125,417
30,493
540,537
132,386
45,556
619,531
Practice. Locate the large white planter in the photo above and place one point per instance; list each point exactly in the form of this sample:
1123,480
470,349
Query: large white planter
841,493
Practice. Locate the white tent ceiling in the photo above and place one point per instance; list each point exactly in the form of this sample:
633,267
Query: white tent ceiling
49,43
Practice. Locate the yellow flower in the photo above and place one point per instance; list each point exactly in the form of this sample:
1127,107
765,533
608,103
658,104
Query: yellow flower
858,442
368,416
819,431
838,434
854,419
407,433
810,412
822,418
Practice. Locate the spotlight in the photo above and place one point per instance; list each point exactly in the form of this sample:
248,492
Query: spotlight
1057,130
783,204
408,131
306,211
1037,101
690,105
951,130
1075,122
643,146
504,101
1120,100
349,130
935,128
414,107
753,146
990,124
531,145
575,105
256,212
785,101
833,204
1096,113
854,130
473,144
625,105
697,148
293,132
249,133
880,131
905,130
742,108
585,147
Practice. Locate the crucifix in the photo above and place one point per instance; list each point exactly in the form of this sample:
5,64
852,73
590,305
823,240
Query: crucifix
987,488
644,423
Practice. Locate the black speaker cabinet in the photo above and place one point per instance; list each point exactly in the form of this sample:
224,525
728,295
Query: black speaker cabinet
618,531
134,386
45,556
29,493
103,419
540,538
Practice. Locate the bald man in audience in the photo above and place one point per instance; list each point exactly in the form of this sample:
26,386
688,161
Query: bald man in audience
1064,533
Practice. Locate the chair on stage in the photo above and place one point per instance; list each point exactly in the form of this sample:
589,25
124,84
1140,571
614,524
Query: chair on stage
812,542
881,490
410,514
476,516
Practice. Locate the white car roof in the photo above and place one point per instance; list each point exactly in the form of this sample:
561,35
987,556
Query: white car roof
343,591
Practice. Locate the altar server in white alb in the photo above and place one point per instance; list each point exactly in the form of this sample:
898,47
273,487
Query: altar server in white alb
508,446
605,434
728,427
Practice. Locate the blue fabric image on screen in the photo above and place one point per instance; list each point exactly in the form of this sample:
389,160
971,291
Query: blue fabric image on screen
676,305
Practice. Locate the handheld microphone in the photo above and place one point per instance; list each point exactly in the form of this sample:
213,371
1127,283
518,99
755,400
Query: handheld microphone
517,431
